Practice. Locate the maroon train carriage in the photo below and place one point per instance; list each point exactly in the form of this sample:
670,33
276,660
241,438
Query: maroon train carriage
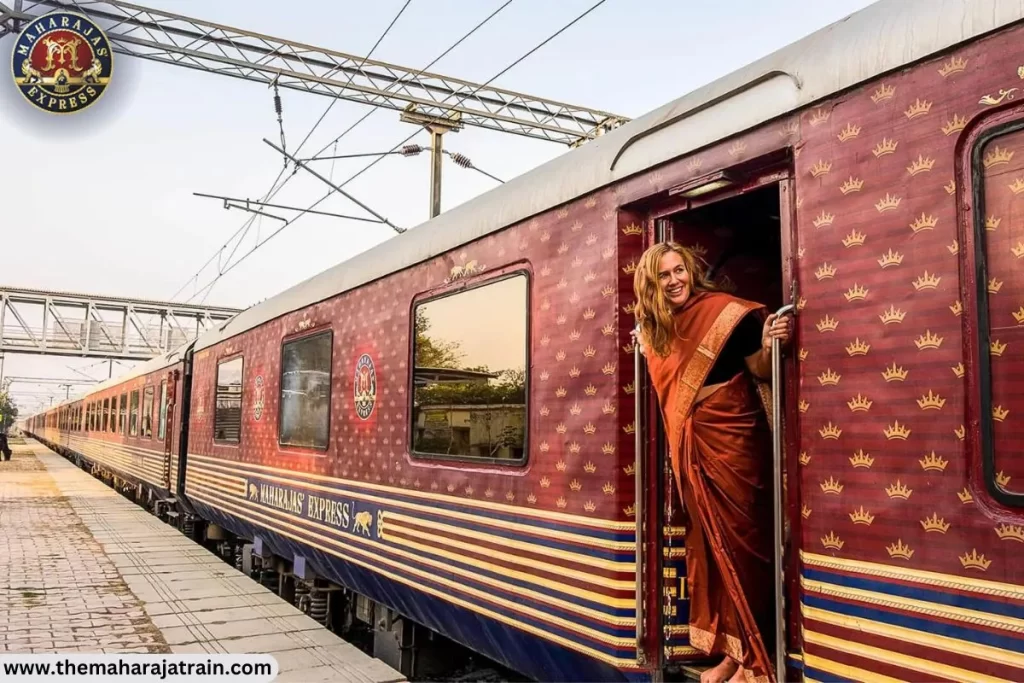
445,428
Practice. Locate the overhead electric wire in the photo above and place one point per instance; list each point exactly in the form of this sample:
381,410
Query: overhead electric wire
274,188
410,137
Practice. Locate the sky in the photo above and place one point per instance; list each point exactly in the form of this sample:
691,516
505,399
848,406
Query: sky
102,202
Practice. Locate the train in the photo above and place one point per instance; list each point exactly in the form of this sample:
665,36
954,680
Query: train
450,434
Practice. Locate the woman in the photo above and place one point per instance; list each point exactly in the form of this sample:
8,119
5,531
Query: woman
705,351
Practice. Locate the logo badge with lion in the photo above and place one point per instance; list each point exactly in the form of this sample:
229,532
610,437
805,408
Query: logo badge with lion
62,62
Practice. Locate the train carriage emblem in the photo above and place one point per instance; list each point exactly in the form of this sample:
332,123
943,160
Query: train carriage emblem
62,62
258,400
364,387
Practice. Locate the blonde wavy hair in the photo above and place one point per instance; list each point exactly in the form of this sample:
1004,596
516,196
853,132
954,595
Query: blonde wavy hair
653,310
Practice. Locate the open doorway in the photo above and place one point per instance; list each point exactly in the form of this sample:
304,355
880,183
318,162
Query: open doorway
740,239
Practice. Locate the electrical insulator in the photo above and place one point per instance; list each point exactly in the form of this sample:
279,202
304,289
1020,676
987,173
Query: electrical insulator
462,160
411,150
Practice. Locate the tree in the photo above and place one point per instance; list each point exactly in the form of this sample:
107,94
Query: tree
8,411
431,353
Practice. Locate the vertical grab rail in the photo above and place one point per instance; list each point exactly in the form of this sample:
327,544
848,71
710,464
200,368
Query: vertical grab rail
639,502
779,532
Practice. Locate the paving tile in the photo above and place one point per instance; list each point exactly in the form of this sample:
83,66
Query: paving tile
88,571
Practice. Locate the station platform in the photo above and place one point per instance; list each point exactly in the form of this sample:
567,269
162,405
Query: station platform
90,572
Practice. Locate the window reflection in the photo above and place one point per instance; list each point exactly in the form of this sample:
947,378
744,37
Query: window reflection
227,418
469,380
306,391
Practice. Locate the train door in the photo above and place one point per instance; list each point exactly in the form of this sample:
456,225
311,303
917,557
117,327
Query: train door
168,391
744,239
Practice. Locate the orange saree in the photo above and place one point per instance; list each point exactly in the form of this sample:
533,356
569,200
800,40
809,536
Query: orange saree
721,453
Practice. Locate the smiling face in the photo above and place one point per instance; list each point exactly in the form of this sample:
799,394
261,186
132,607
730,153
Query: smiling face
674,278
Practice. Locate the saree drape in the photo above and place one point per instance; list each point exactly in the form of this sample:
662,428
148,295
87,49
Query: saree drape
721,454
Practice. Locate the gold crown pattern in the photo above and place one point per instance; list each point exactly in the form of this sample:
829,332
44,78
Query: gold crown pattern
695,164
959,370
629,388
824,219
994,285
821,168
575,485
562,213
561,428
574,335
608,489
892,258
608,369
933,463
918,108
883,93
889,202
574,448
590,467
803,406
953,66
560,392
924,223
886,146
607,291
545,411
589,314
999,413
608,449
629,510
630,428
832,542
1017,186
856,293
960,432
898,490
858,348
563,248
819,117
805,459
849,132
954,248
629,268
629,469
590,390
829,378
589,506
560,356
531,499
891,316
899,550
928,340
862,459
896,431
965,496
957,308
545,375
997,156
851,185
859,404
1007,532
591,240
608,330
831,486
854,239
954,125
862,516
827,324
805,511
608,253
561,502
589,352
1002,479
975,561
950,187
931,401
1018,250
830,431
922,165
632,229
576,226
802,355
737,148
801,304
1018,315
935,523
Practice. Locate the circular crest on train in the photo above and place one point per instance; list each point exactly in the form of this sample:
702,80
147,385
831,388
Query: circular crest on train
62,62
258,401
364,386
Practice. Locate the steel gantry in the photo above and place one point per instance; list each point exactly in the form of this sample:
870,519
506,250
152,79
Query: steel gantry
184,41
87,326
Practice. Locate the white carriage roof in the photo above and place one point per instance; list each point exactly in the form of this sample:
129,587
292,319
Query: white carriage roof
881,38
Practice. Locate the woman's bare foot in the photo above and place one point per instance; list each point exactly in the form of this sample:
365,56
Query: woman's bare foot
739,676
721,673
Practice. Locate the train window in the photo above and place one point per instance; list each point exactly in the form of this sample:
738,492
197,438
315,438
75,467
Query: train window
133,414
469,379
162,424
105,413
998,240
227,415
147,412
305,408
123,414
113,414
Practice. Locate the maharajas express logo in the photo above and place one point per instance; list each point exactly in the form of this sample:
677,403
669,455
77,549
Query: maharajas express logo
62,62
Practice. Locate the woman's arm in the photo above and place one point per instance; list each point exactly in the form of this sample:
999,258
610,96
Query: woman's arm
760,362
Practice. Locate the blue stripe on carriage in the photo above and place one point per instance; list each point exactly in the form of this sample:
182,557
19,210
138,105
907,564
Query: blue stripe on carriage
623,631
347,486
824,676
918,593
341,569
918,624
